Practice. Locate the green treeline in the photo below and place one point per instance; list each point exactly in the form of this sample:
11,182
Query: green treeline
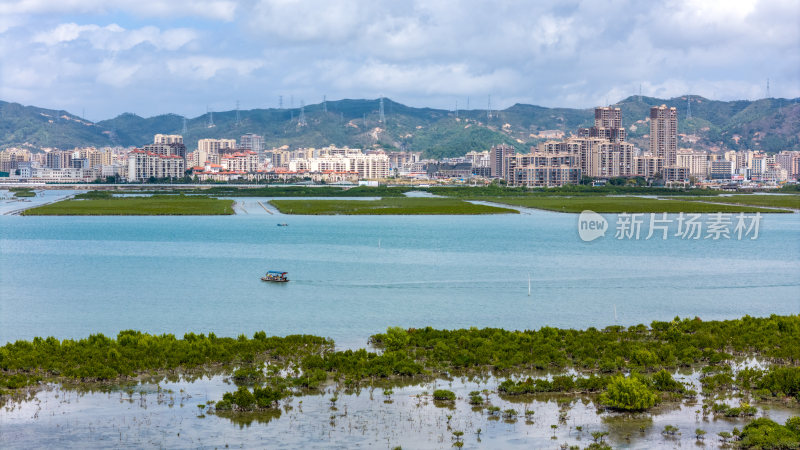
132,352
679,343
302,362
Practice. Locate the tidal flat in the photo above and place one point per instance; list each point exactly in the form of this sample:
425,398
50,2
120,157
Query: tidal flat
166,413
669,384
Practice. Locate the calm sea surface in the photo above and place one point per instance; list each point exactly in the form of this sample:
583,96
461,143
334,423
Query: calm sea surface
353,276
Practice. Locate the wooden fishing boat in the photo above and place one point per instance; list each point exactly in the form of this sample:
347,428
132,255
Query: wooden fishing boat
276,276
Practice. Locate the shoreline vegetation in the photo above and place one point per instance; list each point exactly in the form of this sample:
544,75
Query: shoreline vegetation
387,206
628,204
22,192
103,203
393,201
620,369
779,201
427,352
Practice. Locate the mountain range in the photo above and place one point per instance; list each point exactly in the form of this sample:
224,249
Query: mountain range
768,124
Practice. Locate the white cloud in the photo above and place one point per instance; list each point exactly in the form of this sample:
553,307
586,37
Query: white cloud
213,9
205,67
424,52
116,73
309,20
115,38
444,79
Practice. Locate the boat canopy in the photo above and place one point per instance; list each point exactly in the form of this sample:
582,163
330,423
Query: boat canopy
277,272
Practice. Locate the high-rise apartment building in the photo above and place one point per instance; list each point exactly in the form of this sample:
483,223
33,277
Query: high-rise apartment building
542,169
143,165
696,162
254,143
368,167
168,139
664,133
216,145
607,125
10,158
497,159
58,159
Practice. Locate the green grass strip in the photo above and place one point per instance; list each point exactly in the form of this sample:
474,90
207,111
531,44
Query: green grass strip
157,205
777,201
623,204
387,206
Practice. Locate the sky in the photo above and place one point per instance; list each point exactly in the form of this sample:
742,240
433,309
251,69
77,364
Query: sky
102,58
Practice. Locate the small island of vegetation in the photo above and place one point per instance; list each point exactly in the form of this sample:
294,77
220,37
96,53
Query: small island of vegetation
627,204
103,203
387,206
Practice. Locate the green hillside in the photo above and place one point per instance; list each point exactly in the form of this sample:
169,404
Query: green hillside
768,124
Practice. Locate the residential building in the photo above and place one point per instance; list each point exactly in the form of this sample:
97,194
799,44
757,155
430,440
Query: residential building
449,170
254,143
11,157
497,157
278,157
242,161
58,159
543,169
143,165
607,125
676,173
721,170
479,159
696,162
168,139
648,166
368,167
664,133
399,159
172,149
216,145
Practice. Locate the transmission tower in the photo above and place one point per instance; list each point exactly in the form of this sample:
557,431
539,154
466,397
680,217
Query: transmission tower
324,105
688,107
184,130
467,103
489,109
381,117
238,119
768,88
302,121
280,102
210,114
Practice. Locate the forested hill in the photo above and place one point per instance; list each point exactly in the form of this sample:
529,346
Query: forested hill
766,124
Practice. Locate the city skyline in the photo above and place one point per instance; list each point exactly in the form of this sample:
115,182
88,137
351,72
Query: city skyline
154,57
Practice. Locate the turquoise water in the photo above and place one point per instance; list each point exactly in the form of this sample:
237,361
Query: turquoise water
353,276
